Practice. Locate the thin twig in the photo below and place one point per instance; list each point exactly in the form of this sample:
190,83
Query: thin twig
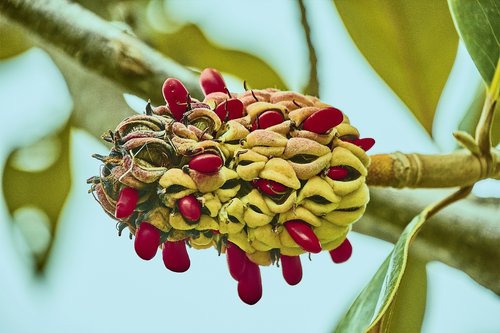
312,87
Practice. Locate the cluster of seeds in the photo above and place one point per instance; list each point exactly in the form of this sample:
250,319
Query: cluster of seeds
262,176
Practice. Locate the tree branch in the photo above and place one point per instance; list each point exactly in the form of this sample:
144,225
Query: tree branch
460,168
465,236
99,46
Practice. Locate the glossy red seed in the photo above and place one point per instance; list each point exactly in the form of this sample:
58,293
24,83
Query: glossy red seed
291,269
323,120
176,95
147,240
268,119
269,187
250,284
364,143
303,235
236,260
342,253
337,172
212,81
127,201
230,109
175,256
206,163
190,208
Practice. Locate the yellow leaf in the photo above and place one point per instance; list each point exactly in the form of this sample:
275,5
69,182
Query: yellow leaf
410,44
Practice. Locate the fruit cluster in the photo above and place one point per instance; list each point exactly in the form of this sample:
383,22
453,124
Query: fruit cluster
263,176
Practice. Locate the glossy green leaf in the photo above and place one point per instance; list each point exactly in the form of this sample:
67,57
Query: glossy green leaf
408,307
410,44
36,182
478,23
12,40
367,313
190,47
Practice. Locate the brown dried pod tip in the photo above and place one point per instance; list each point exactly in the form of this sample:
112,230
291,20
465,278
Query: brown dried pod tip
255,175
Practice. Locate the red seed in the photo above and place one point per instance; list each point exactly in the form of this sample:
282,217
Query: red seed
175,256
337,172
206,163
147,240
342,253
323,120
268,119
303,235
212,81
230,109
127,201
291,269
365,143
176,95
250,284
190,208
269,187
236,260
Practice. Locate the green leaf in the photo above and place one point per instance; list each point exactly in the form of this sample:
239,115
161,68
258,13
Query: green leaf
408,307
36,182
478,23
367,313
13,40
190,47
410,44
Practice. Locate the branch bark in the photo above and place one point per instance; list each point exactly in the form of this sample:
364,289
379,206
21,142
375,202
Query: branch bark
460,168
99,45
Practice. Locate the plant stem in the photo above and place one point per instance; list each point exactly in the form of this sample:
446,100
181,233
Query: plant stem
460,168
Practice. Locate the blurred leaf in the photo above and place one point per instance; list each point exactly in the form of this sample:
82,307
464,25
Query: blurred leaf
408,307
190,47
478,23
12,40
36,182
98,103
410,44
370,312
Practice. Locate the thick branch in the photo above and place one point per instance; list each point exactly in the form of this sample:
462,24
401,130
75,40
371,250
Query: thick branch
464,236
99,45
460,168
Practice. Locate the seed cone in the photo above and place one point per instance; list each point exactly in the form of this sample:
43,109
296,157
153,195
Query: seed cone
257,175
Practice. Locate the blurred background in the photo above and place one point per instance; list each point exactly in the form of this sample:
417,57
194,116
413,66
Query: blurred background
93,281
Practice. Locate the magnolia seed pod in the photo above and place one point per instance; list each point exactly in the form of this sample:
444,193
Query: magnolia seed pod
264,175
